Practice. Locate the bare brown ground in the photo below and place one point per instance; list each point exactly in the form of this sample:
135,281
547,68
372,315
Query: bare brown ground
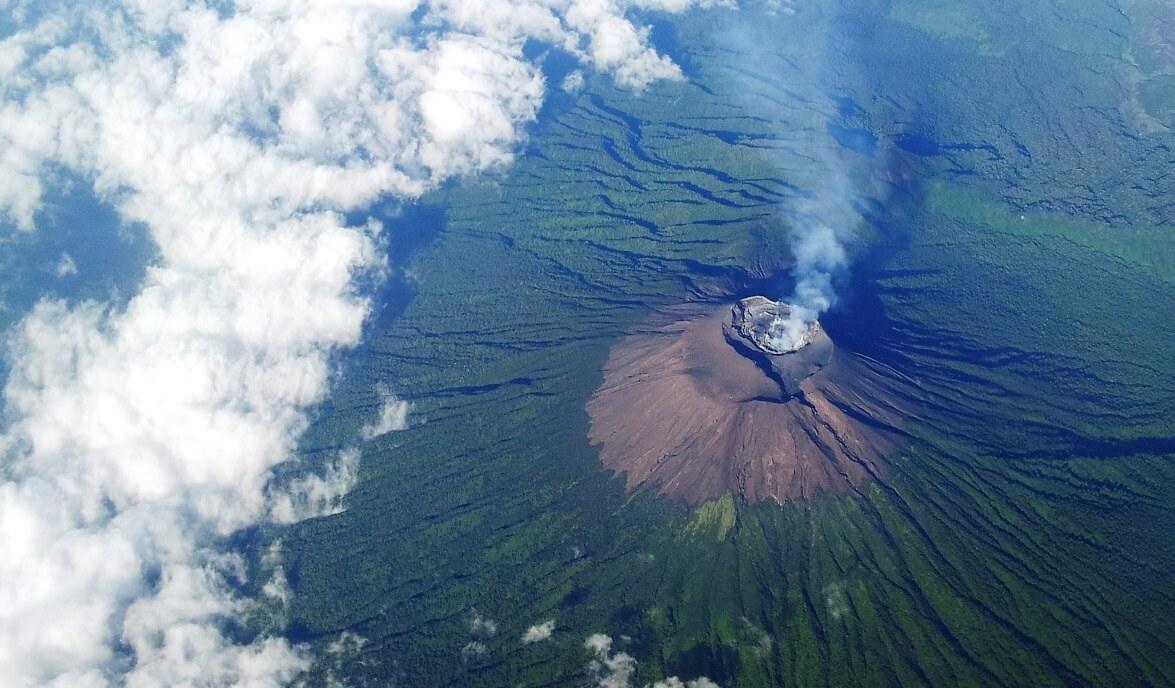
683,412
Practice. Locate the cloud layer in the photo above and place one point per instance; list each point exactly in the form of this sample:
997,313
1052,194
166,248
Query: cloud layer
137,439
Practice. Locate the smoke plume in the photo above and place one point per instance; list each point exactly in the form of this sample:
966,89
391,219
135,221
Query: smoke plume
790,90
819,255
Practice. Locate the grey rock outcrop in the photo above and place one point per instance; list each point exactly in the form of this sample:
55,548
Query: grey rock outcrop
748,331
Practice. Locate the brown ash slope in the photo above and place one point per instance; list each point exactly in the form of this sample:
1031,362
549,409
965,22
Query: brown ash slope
689,410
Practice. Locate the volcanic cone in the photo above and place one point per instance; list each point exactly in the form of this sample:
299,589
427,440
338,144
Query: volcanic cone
691,408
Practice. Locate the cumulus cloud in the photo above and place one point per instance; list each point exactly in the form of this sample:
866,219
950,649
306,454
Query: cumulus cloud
315,495
278,586
139,437
343,649
393,415
615,669
539,632
674,682
66,266
473,649
598,32
573,82
609,669
836,600
482,627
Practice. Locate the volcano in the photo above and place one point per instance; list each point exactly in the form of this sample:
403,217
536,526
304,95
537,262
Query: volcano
702,398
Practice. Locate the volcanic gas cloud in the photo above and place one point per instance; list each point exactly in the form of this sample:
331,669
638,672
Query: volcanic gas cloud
705,398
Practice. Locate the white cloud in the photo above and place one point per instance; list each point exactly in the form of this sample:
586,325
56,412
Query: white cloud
573,82
314,495
278,586
836,600
393,415
674,682
616,669
613,43
473,649
610,670
347,643
481,626
539,632
66,266
141,436
598,32
175,642
343,649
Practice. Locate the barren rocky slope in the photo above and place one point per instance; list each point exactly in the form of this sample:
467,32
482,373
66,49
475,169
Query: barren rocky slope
687,409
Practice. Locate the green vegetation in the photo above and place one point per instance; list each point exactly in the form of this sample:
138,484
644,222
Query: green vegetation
1147,247
1023,536
945,21
714,519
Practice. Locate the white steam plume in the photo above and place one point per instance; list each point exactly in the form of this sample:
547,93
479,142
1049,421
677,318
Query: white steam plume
137,438
819,254
797,100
